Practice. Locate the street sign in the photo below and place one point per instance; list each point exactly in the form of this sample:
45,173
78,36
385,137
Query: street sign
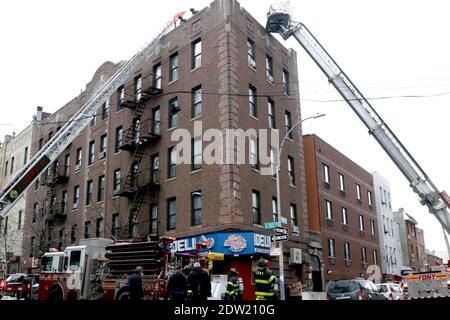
281,230
275,252
271,225
279,237
284,220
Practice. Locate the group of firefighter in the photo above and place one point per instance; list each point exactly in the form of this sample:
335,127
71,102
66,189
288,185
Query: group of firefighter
195,284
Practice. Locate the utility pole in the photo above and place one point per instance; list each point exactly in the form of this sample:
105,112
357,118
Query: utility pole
278,170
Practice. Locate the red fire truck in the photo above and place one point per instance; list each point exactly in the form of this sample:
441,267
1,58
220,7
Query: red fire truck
99,269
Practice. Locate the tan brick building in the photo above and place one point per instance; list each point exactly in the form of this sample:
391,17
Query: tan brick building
119,177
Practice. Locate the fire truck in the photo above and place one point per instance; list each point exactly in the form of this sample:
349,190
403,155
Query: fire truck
431,284
98,269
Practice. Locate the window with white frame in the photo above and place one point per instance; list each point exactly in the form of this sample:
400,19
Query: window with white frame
325,173
344,215
329,210
363,255
369,198
331,251
347,255
358,192
361,222
341,182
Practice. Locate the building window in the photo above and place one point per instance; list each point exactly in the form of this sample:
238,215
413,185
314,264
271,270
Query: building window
271,114
78,159
156,121
73,234
293,212
173,75
89,192
12,165
291,171
91,157
105,109
196,154
196,54
101,189
25,156
172,163
173,112
19,220
6,168
136,129
99,228
252,101
116,183
64,201
256,207
341,182
347,251
41,143
251,53
119,138
171,213
154,218
137,88
358,192
157,76
361,223
325,173
269,69
120,97
32,243
329,210
344,215
331,251
286,82
87,230
369,198
37,183
196,102
375,256
363,255
5,231
76,196
133,224
103,144
288,123
196,208
372,227
274,209
155,168
93,120
115,227
35,209
254,153
67,165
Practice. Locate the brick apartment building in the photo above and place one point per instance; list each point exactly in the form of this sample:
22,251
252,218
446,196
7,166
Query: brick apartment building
341,206
120,179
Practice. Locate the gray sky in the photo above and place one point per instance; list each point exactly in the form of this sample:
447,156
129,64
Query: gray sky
390,49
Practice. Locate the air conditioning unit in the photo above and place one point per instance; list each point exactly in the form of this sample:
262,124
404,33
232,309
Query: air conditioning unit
295,256
295,230
102,155
116,192
78,167
270,78
252,64
75,206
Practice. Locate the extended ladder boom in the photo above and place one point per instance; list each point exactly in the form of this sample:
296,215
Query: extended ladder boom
279,21
71,129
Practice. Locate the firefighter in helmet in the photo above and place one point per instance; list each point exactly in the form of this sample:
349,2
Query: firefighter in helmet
264,282
233,291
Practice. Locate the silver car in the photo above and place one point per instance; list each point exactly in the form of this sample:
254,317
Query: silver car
391,291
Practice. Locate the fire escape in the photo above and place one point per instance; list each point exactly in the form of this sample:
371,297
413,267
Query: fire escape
139,181
54,212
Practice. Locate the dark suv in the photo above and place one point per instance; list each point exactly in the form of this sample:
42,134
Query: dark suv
354,289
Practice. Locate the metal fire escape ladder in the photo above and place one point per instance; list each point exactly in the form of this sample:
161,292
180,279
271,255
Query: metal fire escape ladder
72,128
279,21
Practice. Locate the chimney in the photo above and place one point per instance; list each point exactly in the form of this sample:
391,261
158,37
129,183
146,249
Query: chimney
39,114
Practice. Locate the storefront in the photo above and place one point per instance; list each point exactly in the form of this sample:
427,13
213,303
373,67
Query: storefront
241,250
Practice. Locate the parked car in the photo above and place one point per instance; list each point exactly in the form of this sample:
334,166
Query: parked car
391,291
19,285
353,289
2,286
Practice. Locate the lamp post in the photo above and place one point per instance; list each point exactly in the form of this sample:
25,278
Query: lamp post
278,170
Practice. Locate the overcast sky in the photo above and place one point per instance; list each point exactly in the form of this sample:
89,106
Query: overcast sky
390,49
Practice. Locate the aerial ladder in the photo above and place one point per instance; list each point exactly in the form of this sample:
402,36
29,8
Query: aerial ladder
44,157
279,21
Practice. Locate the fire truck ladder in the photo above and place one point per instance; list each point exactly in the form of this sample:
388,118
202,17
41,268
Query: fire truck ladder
279,21
72,128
